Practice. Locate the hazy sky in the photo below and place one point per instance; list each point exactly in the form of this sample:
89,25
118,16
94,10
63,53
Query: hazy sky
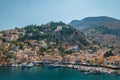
19,13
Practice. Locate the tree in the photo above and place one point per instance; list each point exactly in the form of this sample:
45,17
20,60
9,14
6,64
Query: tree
108,53
68,52
21,46
61,48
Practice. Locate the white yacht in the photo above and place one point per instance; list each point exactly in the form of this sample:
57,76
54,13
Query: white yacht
30,65
14,65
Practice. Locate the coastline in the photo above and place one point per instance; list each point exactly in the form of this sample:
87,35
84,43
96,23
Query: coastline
81,68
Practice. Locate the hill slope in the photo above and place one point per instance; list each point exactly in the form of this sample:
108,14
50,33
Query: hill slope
102,30
55,32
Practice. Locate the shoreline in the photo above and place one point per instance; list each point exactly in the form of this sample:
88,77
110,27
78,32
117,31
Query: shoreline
81,68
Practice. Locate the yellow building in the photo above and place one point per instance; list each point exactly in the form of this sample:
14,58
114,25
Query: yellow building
1,34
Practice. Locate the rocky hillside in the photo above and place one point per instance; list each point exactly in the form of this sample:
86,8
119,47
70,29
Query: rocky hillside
102,30
57,32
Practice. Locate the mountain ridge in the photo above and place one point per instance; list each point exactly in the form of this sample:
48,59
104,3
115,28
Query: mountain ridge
95,22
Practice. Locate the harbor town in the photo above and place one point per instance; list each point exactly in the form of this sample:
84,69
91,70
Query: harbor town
59,40
41,53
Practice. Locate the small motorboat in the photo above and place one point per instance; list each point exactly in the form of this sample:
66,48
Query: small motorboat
23,65
54,66
14,65
30,65
36,62
1,65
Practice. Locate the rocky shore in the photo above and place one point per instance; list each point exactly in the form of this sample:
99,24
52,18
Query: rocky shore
92,69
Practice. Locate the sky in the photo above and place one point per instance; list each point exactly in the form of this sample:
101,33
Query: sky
20,13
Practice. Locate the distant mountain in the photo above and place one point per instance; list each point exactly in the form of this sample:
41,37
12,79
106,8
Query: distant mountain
102,30
57,32
96,22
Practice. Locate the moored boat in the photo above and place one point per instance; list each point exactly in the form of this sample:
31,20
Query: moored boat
1,65
30,65
14,65
54,65
25,65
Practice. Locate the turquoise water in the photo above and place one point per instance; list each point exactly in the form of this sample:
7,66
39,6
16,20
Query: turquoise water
45,73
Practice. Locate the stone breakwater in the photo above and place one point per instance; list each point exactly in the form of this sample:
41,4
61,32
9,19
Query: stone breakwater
93,69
